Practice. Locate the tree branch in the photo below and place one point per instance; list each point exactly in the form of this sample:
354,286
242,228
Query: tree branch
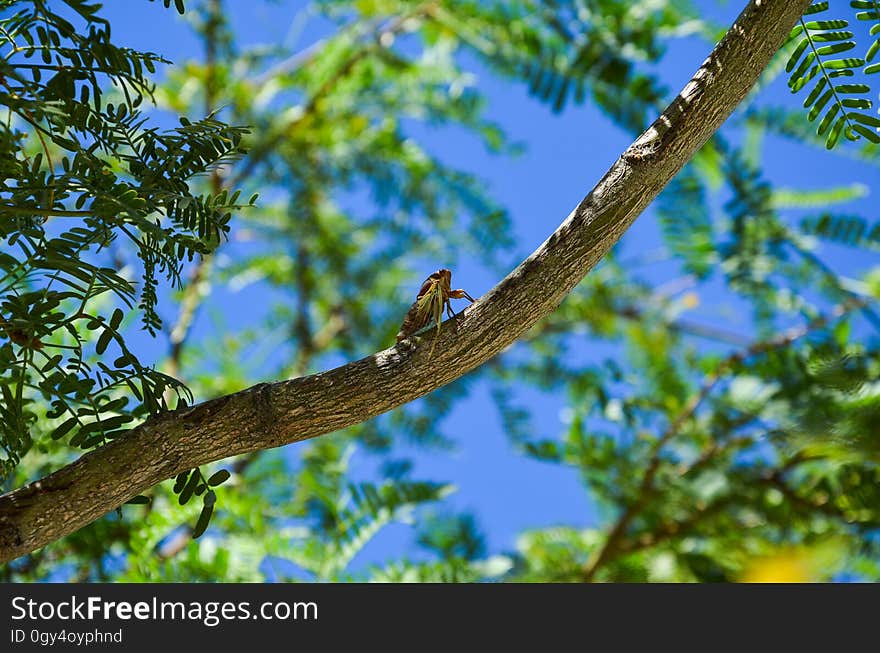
274,414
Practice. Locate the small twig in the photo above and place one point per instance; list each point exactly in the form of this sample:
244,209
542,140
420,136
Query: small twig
709,452
28,210
776,480
869,314
675,529
690,327
38,131
193,294
302,324
381,39
299,59
636,313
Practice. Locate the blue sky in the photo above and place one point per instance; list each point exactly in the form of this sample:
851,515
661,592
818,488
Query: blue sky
564,156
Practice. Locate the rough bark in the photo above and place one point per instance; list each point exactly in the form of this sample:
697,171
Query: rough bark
274,414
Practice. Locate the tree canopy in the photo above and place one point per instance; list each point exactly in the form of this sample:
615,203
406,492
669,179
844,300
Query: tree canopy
138,193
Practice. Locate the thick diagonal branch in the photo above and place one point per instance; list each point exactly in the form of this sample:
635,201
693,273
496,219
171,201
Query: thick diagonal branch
275,414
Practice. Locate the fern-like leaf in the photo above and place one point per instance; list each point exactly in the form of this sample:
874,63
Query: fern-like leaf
790,124
872,12
810,65
844,229
686,225
372,507
796,198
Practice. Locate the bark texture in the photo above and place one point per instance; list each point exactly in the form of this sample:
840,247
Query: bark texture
274,414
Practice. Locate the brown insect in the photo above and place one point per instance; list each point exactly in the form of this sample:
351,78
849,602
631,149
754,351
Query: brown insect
19,336
433,297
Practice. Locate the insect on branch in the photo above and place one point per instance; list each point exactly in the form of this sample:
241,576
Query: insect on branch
434,296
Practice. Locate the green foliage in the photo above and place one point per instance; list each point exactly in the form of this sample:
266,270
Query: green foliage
787,198
719,400
713,466
458,571
575,49
453,537
791,124
841,112
78,173
872,14
567,51
687,231
846,229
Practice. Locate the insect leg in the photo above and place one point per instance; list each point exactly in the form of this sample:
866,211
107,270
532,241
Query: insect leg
438,309
460,294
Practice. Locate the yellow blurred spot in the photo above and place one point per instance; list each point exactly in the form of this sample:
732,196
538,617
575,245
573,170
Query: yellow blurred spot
791,567
690,300
797,564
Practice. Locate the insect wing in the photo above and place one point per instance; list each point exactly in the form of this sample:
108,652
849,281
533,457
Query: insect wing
419,314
